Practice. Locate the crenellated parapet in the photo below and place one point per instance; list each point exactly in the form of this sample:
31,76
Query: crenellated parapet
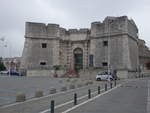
53,31
112,26
36,30
41,30
79,31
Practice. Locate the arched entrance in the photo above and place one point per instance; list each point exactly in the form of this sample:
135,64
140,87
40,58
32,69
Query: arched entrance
78,59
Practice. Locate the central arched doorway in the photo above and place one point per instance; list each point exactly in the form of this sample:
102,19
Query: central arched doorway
78,59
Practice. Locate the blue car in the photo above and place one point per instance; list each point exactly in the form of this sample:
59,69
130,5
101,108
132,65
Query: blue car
12,73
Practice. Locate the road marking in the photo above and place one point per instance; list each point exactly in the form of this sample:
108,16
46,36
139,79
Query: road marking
34,99
60,105
148,98
90,99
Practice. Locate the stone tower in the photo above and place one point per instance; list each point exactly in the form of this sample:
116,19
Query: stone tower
111,44
114,44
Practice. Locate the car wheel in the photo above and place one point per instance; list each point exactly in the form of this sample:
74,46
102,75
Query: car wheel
111,79
98,79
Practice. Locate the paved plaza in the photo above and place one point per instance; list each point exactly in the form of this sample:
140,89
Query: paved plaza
9,86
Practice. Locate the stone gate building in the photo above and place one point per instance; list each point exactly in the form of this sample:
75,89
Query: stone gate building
111,44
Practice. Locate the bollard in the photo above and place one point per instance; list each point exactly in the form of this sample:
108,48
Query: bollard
72,86
52,91
99,89
20,97
89,93
79,85
64,88
75,99
105,87
38,93
115,82
52,106
110,85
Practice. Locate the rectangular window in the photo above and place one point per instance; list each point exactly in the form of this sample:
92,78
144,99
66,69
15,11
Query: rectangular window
91,61
44,45
104,64
105,43
43,63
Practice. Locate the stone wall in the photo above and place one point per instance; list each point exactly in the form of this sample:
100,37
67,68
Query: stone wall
121,52
134,55
38,72
144,54
34,54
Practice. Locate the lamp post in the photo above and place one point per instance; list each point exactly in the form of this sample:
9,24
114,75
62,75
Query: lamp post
9,67
15,64
6,45
2,39
108,50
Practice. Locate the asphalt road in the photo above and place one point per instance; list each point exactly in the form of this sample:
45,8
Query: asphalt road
131,97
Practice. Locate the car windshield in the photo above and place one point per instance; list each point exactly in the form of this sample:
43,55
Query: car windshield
103,73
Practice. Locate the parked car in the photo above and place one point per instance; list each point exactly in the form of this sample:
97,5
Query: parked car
12,73
3,72
104,76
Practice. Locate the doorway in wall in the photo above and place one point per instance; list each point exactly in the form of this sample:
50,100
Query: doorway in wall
78,59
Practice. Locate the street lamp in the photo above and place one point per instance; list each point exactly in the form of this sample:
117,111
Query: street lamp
108,50
2,39
9,67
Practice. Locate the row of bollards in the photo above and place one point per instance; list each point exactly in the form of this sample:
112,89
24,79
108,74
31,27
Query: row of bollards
20,96
89,95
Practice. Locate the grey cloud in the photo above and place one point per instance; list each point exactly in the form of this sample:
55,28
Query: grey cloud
67,13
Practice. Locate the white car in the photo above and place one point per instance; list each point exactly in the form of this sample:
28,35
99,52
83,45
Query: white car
104,76
3,72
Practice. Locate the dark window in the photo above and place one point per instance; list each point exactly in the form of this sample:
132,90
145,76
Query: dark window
105,43
91,61
42,63
104,64
44,45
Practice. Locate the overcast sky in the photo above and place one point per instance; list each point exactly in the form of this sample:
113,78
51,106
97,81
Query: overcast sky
67,13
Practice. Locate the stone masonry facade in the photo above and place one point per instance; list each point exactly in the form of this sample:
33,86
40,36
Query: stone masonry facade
112,44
